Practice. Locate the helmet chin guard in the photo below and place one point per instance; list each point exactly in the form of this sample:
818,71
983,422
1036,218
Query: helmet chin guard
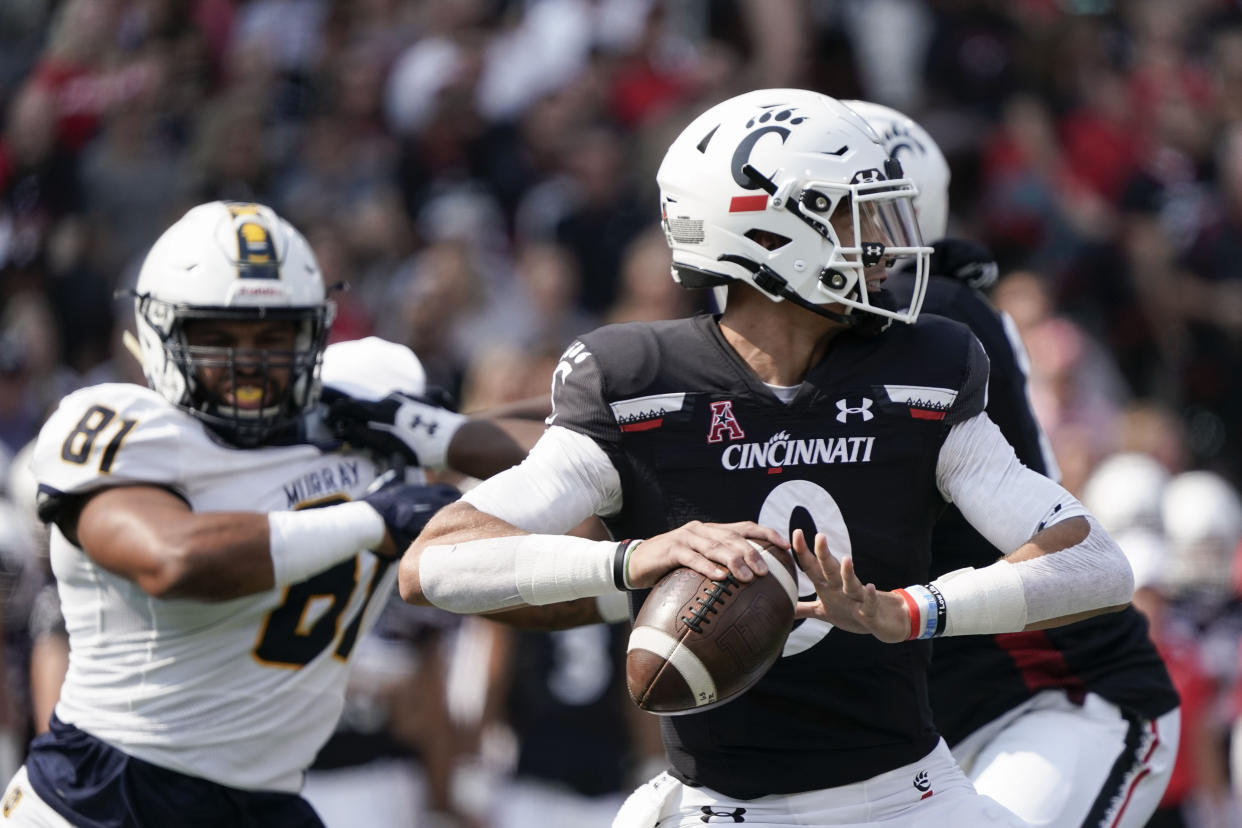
789,191
227,262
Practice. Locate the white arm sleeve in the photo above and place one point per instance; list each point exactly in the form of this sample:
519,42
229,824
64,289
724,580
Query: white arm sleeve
564,480
1008,503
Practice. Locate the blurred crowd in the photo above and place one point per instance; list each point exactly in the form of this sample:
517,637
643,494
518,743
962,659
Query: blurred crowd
478,175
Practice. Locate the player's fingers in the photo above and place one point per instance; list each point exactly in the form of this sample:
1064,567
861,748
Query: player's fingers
762,534
810,609
850,584
727,546
691,558
689,554
829,563
808,562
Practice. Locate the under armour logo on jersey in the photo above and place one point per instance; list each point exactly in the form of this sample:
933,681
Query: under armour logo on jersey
711,814
723,421
844,409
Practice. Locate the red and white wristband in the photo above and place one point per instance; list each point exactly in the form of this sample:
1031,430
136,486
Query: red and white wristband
926,607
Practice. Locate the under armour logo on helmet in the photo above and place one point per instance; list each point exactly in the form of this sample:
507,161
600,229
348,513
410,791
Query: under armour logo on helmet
863,408
872,252
711,814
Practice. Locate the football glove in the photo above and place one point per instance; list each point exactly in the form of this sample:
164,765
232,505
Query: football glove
964,260
415,428
406,507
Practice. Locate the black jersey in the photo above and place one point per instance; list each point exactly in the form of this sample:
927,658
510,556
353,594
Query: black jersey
974,679
694,434
567,707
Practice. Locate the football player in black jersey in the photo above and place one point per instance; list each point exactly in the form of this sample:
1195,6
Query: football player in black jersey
811,413
1076,725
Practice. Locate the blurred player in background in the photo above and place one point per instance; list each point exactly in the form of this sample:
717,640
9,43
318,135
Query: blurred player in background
1076,725
218,550
820,409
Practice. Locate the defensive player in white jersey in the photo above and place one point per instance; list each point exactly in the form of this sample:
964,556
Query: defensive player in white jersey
799,416
218,550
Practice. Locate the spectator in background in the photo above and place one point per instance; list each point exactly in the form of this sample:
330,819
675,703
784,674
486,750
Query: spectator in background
1202,518
646,293
604,214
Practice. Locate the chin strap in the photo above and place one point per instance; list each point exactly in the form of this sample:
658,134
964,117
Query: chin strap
865,324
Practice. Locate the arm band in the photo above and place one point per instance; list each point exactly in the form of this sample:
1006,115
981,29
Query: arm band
621,563
498,573
927,610
306,542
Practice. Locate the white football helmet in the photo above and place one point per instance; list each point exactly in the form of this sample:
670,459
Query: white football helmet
1203,522
1125,491
786,162
231,260
920,158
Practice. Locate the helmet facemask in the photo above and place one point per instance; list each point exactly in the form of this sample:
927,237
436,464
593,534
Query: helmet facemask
277,417
226,263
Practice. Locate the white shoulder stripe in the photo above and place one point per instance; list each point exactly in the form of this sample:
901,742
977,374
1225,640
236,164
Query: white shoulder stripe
927,396
653,640
640,408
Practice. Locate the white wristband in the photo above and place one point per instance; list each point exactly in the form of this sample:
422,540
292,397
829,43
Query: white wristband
983,601
306,542
431,435
498,573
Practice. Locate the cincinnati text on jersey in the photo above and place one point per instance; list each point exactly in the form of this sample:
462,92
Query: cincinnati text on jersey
780,451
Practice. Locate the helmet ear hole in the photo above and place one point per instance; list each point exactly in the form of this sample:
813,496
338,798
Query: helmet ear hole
767,239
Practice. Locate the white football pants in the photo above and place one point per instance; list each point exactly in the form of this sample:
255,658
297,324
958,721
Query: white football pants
930,793
1055,763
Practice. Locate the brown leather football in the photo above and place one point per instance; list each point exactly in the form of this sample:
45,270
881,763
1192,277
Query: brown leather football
698,643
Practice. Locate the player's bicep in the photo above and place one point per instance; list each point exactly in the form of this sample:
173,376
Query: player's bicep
128,530
564,480
1005,501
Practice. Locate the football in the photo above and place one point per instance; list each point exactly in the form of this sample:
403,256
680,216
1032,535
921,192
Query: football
698,643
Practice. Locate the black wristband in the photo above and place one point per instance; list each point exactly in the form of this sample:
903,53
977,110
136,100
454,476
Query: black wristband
618,565
940,610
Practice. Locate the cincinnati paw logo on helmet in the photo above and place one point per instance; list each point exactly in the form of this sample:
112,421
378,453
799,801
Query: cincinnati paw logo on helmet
775,119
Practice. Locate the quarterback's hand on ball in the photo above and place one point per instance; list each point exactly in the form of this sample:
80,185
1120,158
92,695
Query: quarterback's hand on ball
405,509
843,600
710,549
417,428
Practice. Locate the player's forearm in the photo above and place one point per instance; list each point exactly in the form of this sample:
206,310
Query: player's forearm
485,447
467,561
1066,572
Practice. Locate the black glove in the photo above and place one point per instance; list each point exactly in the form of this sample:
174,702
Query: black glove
418,429
406,507
964,260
